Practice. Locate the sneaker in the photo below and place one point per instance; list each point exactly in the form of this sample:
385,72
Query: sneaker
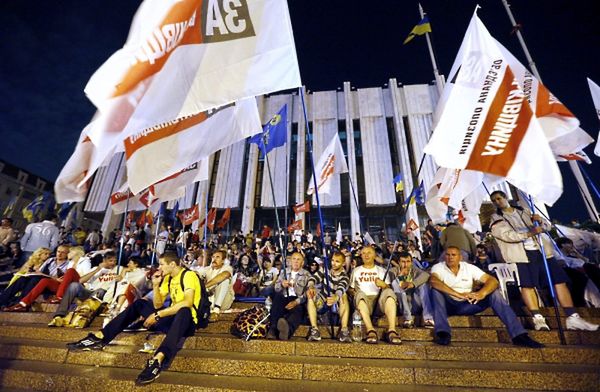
90,342
345,336
575,322
524,340
57,321
539,323
314,335
408,324
429,324
284,329
150,373
442,338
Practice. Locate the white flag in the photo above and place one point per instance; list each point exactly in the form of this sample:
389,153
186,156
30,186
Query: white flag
338,236
595,91
487,124
332,161
67,186
174,186
123,200
183,57
160,152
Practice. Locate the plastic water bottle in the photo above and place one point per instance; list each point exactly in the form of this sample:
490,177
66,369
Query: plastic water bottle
357,333
268,304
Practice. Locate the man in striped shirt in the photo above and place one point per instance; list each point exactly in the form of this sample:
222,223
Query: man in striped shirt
319,296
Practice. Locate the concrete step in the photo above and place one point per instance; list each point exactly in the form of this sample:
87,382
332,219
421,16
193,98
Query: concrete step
330,348
21,376
346,370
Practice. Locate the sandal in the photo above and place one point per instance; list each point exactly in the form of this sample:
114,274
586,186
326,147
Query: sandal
372,337
392,337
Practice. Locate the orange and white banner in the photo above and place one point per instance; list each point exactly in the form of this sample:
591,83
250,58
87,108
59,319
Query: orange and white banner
161,151
486,123
190,215
304,207
173,187
332,161
124,199
595,91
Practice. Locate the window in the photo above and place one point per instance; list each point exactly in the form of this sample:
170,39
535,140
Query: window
22,177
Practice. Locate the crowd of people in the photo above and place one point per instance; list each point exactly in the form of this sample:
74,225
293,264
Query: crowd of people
169,280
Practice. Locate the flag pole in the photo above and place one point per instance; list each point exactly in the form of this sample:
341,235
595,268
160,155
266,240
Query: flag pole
439,79
122,241
277,224
206,218
155,237
583,188
315,185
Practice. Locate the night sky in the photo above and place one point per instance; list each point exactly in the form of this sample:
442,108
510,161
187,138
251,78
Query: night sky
51,48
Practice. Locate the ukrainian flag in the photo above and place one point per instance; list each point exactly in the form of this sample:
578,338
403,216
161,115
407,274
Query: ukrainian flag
421,28
399,184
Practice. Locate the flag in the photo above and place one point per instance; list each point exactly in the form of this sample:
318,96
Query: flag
129,219
486,124
295,225
412,225
224,219
338,235
175,211
421,28
318,230
303,207
72,184
398,183
10,206
190,215
162,212
173,187
124,199
39,207
184,57
145,217
155,154
274,133
417,195
210,221
595,91
332,161
64,209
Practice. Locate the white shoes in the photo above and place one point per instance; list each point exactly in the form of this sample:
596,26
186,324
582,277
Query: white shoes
539,323
575,322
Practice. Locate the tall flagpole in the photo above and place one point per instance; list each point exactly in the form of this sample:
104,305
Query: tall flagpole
439,79
585,192
315,185
122,240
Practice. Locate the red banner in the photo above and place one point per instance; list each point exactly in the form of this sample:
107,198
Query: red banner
188,216
304,207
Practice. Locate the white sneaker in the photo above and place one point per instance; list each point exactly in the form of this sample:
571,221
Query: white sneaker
575,322
539,323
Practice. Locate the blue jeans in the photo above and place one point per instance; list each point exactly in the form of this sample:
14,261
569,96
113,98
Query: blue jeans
444,306
418,302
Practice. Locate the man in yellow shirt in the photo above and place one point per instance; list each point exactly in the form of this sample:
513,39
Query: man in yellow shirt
177,320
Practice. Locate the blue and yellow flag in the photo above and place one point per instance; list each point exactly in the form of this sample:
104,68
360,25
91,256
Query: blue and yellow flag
398,183
10,206
39,207
274,133
421,28
417,195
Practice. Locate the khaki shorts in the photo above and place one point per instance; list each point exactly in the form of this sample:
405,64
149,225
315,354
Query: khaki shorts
370,299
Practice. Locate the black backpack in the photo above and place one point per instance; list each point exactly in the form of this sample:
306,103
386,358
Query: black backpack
203,309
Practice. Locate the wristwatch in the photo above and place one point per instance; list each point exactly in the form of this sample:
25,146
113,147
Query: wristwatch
156,316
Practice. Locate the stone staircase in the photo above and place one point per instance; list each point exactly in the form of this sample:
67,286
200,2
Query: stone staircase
34,357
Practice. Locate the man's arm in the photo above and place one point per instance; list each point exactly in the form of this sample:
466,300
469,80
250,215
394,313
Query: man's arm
218,279
188,302
437,284
490,284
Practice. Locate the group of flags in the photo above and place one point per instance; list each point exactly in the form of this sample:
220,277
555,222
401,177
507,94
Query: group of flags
181,88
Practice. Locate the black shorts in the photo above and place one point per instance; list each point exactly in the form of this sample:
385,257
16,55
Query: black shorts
533,274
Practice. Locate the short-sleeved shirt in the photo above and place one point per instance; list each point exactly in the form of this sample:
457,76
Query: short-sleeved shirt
462,282
172,286
363,279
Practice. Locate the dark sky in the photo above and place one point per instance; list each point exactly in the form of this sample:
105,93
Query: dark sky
51,48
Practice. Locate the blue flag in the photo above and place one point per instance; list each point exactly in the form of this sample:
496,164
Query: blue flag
162,212
274,133
64,209
174,211
420,195
39,207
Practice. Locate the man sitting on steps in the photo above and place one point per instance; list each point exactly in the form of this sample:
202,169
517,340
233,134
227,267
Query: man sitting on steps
177,321
453,293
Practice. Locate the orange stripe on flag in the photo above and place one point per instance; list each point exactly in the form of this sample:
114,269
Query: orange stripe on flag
547,104
132,146
181,13
503,130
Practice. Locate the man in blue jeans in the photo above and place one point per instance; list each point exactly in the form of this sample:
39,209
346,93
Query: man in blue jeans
453,293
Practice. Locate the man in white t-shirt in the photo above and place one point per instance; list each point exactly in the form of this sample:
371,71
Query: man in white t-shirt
218,283
365,284
454,293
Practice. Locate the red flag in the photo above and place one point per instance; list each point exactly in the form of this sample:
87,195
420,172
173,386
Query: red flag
188,216
318,231
296,225
212,216
412,225
304,207
130,218
224,219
